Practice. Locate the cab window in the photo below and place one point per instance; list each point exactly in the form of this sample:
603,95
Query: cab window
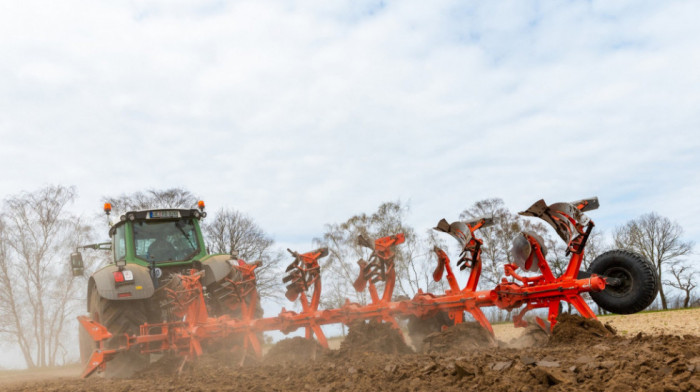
165,241
119,244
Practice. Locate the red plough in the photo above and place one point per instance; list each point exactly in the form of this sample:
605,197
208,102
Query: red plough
378,275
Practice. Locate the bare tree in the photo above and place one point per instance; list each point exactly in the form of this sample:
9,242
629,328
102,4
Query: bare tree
595,246
412,262
556,255
231,231
153,198
494,252
684,279
339,268
498,238
415,259
37,290
656,238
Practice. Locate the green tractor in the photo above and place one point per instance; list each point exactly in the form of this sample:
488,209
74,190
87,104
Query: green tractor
150,249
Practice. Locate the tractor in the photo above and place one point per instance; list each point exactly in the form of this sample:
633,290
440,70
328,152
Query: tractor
142,285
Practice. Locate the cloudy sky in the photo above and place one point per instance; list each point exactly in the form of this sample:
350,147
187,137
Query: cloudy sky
301,113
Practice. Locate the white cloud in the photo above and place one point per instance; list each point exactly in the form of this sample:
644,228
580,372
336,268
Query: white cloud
315,101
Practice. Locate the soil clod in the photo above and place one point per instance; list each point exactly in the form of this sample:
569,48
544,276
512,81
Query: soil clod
373,337
459,338
295,349
574,328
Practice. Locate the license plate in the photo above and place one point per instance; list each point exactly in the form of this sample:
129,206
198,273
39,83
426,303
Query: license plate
163,214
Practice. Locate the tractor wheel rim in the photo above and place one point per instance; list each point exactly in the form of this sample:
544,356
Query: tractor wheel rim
626,281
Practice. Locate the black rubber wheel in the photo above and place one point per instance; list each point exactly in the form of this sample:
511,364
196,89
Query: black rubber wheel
638,281
120,317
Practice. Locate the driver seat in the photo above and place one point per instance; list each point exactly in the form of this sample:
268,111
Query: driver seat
161,250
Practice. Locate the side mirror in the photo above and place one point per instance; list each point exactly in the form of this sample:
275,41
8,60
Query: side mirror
76,264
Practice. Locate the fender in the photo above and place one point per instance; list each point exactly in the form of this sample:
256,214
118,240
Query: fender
103,280
216,268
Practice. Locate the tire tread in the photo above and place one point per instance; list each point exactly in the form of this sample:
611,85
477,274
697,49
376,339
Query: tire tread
648,284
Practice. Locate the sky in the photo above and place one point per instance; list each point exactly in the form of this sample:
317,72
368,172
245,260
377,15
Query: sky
303,113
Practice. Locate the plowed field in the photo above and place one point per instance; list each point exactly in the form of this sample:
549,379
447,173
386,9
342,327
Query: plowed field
580,355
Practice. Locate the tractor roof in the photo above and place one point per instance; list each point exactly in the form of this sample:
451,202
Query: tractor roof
156,215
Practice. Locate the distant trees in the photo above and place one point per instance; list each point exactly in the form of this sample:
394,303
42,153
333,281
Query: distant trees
38,294
594,247
685,279
498,238
414,262
153,198
659,240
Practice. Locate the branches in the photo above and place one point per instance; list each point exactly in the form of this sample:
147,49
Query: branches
36,288
153,199
656,238
413,261
685,278
497,238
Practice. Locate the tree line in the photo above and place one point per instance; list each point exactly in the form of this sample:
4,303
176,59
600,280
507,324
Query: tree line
39,297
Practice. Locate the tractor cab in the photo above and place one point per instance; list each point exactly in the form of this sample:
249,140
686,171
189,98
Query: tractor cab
151,238
163,237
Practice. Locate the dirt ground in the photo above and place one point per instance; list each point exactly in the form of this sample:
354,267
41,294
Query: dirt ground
676,322
645,352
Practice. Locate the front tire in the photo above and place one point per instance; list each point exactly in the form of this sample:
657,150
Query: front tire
119,317
638,282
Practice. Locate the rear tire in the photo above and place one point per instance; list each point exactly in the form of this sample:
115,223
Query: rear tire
220,307
639,281
119,317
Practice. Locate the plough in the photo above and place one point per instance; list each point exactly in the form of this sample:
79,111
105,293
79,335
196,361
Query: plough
194,327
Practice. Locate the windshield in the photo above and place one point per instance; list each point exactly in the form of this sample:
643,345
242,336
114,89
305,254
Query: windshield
163,241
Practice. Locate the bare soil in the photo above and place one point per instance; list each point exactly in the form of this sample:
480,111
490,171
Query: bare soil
580,355
373,337
459,338
296,349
